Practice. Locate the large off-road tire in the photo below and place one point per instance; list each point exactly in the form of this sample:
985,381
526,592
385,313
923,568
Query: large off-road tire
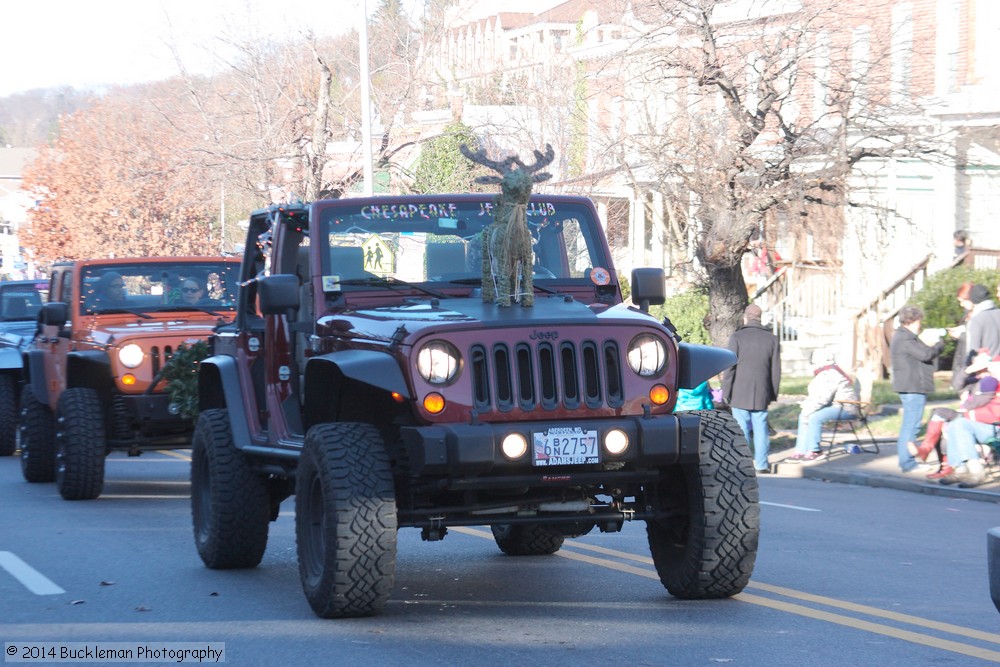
705,545
8,415
527,539
345,520
38,439
80,444
230,504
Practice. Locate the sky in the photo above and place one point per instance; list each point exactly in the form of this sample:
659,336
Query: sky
95,43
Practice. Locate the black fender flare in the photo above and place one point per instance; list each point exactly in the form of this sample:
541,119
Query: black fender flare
90,369
219,388
325,373
34,366
697,363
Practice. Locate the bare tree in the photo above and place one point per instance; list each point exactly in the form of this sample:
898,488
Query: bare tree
744,113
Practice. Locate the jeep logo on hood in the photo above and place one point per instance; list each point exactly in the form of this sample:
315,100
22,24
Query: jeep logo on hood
544,335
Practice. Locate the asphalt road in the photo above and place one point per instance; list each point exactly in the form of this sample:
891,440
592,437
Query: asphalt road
845,575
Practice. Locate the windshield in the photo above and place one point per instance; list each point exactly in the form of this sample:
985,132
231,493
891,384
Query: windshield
203,285
439,242
21,301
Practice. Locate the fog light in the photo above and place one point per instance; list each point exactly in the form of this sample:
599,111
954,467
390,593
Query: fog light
434,403
174,409
128,379
616,441
514,446
659,394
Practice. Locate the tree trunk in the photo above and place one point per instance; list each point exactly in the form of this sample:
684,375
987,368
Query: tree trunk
727,297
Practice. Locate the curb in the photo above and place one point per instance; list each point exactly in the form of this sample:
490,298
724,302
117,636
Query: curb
898,483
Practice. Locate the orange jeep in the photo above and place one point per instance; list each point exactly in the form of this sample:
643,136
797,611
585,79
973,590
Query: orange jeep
94,373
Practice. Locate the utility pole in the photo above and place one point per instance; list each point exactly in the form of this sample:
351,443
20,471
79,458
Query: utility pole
366,102
222,219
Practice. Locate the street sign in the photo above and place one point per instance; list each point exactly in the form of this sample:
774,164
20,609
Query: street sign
378,257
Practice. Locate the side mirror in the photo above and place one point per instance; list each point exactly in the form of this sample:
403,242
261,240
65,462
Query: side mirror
53,314
649,287
278,294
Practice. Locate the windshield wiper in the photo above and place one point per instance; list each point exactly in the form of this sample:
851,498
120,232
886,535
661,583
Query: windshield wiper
394,283
479,281
180,308
111,311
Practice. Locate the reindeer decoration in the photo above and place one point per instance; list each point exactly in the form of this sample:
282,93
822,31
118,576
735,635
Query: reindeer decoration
507,254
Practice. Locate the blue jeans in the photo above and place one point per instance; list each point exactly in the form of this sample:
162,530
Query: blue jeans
913,414
755,422
811,427
961,437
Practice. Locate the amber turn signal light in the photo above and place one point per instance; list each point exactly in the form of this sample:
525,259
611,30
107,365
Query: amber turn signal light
659,394
128,379
434,403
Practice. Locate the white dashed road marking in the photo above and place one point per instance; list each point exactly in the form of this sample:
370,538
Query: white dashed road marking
791,507
32,579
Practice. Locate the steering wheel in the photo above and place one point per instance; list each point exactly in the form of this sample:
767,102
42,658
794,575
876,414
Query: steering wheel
540,271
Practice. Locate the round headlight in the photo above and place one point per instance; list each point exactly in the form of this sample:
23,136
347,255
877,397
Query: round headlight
131,355
646,354
437,362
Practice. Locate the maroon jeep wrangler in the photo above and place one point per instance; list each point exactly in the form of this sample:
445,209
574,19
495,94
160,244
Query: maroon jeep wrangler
365,374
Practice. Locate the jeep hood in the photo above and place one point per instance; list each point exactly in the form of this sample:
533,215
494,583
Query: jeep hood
382,322
172,330
16,333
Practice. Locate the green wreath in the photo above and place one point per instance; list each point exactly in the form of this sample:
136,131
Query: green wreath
181,375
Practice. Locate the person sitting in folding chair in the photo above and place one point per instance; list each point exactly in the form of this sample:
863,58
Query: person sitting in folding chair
985,392
962,435
829,385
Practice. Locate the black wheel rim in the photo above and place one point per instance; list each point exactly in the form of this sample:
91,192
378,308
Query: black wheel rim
201,497
314,540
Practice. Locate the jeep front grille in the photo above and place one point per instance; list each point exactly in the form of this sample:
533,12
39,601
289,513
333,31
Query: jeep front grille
546,374
159,359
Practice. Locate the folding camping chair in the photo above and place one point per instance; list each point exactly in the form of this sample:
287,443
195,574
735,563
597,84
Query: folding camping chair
853,417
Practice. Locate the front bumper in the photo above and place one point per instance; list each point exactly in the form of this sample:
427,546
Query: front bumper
147,421
467,449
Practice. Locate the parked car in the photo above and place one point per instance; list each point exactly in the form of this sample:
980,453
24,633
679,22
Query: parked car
94,373
20,301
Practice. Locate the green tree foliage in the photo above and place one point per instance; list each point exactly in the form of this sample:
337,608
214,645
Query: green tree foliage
181,375
937,298
687,312
442,167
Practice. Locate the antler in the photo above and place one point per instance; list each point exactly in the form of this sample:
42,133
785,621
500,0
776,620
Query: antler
479,157
541,160
506,166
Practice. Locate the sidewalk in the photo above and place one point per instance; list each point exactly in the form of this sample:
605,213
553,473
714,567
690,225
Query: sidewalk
880,470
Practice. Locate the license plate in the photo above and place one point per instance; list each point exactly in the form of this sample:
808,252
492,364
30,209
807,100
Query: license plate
564,446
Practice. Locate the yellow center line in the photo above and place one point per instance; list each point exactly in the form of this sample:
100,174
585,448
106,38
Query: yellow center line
819,599
170,452
877,628
800,610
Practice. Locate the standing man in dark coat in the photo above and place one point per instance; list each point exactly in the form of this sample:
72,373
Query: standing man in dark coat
752,384
912,378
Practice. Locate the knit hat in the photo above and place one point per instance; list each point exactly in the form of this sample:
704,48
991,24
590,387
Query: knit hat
978,294
753,312
988,385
